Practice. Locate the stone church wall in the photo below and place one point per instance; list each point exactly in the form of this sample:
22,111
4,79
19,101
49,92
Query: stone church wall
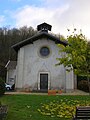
31,64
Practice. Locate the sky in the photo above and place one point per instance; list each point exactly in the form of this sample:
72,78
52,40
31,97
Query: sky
61,14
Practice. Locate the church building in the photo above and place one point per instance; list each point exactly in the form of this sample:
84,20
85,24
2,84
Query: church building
36,68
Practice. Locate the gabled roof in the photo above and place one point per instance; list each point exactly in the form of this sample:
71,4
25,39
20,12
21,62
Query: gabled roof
39,35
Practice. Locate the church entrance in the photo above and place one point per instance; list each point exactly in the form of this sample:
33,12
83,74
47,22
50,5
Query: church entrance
43,81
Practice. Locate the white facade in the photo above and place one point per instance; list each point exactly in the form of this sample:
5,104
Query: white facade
11,76
31,65
11,72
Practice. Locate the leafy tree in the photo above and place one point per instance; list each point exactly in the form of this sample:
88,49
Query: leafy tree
77,55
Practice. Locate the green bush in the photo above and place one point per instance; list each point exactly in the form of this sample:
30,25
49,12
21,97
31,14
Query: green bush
2,87
83,85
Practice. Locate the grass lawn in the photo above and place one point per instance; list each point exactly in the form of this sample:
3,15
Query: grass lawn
26,107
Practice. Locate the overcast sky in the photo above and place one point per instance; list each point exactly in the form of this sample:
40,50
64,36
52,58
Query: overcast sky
61,14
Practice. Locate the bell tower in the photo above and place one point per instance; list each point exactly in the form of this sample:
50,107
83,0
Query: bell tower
44,27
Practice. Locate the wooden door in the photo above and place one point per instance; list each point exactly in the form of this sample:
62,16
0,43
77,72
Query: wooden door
44,81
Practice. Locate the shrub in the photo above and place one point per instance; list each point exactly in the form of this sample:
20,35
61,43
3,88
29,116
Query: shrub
2,87
0,103
83,85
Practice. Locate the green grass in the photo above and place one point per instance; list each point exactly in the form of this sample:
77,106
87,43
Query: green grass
25,107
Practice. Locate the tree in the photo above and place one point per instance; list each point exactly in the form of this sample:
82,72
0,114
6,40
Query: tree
77,55
88,64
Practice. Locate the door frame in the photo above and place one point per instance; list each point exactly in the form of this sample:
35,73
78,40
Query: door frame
48,79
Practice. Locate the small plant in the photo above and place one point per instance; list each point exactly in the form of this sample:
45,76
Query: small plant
2,87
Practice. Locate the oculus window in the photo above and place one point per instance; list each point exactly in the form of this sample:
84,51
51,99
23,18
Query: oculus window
44,51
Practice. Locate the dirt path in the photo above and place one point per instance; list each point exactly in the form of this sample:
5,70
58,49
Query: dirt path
76,92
